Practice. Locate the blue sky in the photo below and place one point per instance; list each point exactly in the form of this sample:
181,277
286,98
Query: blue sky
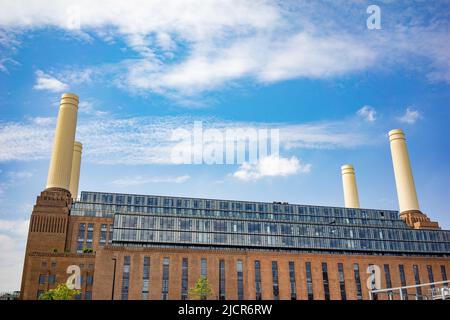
312,69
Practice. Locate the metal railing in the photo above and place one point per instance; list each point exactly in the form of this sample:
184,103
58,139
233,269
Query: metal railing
438,291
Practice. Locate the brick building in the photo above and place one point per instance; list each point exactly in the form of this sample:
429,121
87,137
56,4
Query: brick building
156,247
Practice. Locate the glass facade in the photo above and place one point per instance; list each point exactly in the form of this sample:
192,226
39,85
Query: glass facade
154,220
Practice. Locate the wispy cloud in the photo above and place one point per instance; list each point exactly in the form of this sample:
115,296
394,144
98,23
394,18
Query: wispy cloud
367,113
48,83
410,116
141,180
271,166
147,140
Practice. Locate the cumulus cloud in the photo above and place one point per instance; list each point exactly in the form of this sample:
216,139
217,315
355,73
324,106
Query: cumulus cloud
12,252
193,46
271,166
48,83
410,116
367,113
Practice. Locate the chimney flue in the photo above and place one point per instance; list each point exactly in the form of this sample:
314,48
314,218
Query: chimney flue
351,198
75,174
62,153
406,190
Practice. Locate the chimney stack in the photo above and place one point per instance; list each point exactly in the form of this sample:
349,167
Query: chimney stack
62,153
75,174
351,197
406,190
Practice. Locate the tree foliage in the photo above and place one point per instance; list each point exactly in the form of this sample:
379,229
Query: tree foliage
202,289
61,292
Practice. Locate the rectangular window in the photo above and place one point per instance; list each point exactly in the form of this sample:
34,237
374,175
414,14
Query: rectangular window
103,232
146,278
417,281
276,292
111,228
51,279
165,279
387,276
292,280
80,237
444,275
204,268
39,292
401,270
373,283
222,280
88,295
42,279
309,283
342,281
125,277
326,285
90,280
240,280
90,234
258,288
184,279
430,275
357,281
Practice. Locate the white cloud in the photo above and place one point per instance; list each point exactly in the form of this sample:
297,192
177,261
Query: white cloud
147,140
367,113
410,117
271,166
140,180
49,83
12,252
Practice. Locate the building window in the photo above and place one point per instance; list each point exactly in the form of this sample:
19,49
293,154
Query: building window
80,237
309,283
276,290
342,281
90,280
444,275
387,275
53,264
430,275
292,280
417,280
103,231
42,278
184,279
404,292
222,280
240,280
326,285
258,289
88,295
111,228
165,279
204,268
90,234
39,293
146,278
126,277
51,279
373,283
357,281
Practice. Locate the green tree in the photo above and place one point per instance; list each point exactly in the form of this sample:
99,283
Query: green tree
61,292
202,290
